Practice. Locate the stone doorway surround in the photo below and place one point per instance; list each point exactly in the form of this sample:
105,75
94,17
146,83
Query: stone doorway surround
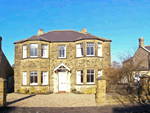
61,68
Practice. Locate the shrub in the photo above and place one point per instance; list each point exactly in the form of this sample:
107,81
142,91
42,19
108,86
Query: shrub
44,90
73,90
23,90
38,92
32,90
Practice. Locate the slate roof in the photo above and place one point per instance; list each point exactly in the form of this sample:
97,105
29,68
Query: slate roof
62,36
148,47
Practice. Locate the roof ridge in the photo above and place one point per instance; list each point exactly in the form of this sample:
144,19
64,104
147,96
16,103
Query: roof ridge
145,49
43,37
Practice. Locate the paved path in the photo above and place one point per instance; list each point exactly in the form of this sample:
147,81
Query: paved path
104,109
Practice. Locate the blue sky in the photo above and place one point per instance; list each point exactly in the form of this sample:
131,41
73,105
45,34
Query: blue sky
122,21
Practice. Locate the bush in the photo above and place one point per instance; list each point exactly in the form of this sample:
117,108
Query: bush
32,90
73,90
44,90
90,90
23,90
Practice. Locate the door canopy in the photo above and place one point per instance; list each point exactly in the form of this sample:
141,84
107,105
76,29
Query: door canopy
62,65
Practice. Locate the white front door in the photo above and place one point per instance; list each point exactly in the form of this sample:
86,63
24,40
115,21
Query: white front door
62,81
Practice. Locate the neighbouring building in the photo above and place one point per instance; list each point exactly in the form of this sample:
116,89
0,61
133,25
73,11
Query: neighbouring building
6,71
61,60
142,55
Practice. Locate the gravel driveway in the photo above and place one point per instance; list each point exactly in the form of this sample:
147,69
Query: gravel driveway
50,100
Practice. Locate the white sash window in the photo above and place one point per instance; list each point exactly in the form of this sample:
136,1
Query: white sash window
90,49
99,73
33,50
44,51
62,51
33,78
79,50
25,51
24,78
79,78
99,50
44,78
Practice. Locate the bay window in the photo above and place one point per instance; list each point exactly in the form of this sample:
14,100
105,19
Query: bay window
33,50
90,77
33,78
90,49
44,78
25,51
44,51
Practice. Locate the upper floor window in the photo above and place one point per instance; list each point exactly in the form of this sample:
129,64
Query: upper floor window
90,77
99,49
44,51
44,78
33,78
79,49
79,78
24,78
62,51
90,48
33,50
25,51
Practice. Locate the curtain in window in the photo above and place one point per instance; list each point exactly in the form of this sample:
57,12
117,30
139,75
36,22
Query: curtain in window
25,51
44,51
99,49
79,48
24,78
44,78
79,77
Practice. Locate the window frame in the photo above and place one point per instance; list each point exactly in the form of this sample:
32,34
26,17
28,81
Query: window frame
33,78
43,49
77,82
80,49
37,50
64,51
24,73
98,50
86,77
90,47
23,51
42,77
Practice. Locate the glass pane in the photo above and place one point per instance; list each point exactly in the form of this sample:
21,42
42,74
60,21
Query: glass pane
81,51
42,79
63,53
92,78
82,72
92,71
31,52
88,51
36,51
31,79
88,78
81,78
92,51
42,52
35,79
88,71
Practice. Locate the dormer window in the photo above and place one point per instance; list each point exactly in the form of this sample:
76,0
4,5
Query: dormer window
33,50
90,49
62,51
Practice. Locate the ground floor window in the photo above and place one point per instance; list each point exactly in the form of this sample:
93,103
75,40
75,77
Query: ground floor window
44,78
90,77
33,78
24,78
79,78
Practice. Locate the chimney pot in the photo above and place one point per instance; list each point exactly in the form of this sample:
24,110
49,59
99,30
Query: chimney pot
41,31
84,31
141,42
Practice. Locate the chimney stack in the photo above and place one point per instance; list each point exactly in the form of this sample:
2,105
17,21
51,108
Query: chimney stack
41,31
84,31
0,43
141,42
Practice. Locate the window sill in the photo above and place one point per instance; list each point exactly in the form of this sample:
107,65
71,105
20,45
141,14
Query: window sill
79,83
61,58
33,56
90,83
90,55
34,84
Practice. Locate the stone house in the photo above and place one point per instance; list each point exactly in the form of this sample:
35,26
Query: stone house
60,60
141,55
6,71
